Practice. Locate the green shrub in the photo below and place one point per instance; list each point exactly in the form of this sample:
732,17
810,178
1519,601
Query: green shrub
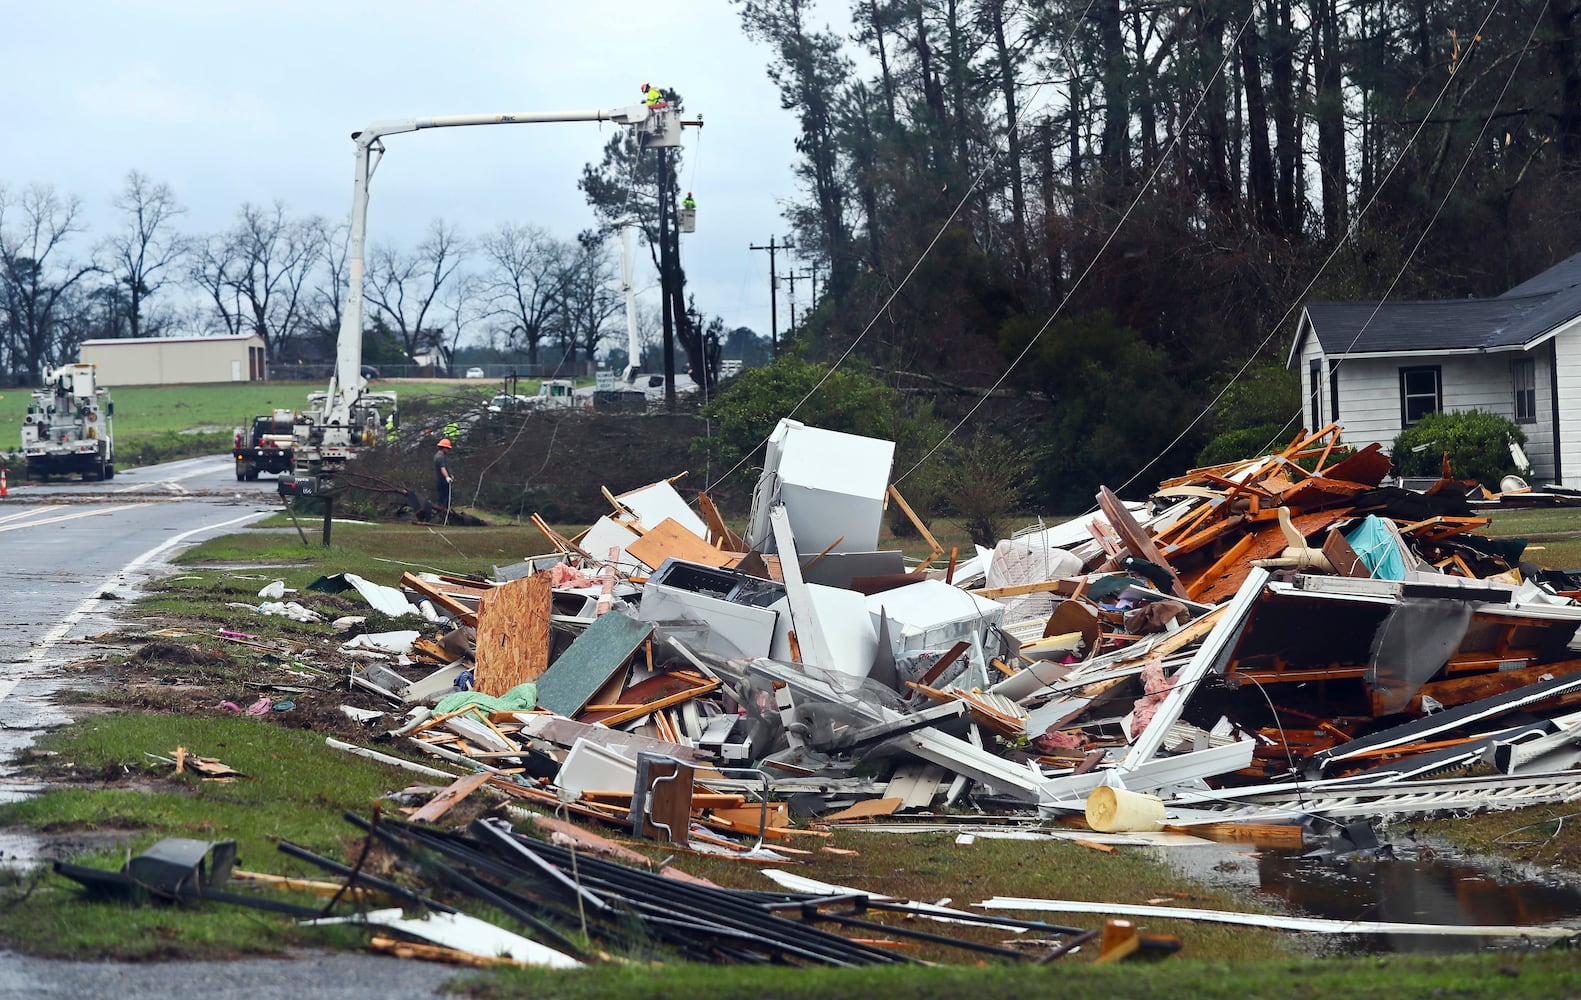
1245,444
1478,445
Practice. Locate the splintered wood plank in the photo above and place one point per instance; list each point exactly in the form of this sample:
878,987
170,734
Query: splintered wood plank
590,661
512,645
1136,537
669,538
864,810
723,537
440,804
436,592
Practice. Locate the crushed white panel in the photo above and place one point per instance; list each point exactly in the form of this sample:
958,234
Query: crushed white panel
606,533
1070,792
1000,775
385,642
463,933
390,600
593,767
1311,924
1185,681
661,500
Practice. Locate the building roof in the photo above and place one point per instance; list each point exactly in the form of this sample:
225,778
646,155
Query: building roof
231,338
1518,319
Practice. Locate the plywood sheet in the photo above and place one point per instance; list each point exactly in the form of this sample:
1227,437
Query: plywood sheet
513,634
670,539
590,661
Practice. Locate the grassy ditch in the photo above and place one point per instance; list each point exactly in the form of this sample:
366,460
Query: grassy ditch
107,790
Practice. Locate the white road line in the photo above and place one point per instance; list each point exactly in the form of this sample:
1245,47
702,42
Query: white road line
59,631
72,517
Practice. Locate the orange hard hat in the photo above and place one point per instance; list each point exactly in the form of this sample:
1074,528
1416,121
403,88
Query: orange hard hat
444,442
645,88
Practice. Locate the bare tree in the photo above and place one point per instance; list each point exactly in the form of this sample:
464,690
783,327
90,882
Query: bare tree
405,287
147,250
589,296
38,286
332,280
257,273
464,304
526,268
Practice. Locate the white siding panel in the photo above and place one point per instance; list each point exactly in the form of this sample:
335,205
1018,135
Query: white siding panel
1567,359
1370,407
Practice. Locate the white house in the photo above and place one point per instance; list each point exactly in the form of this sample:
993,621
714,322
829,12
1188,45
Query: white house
1377,368
176,360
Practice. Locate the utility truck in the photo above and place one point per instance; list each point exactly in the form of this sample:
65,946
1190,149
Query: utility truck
267,446
67,428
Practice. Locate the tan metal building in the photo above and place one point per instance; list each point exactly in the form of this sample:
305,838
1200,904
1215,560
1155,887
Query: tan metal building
176,360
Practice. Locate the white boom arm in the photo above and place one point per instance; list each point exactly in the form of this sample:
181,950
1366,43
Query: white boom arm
346,381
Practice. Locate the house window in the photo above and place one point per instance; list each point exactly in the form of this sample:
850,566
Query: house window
1315,385
1333,391
1524,375
1421,393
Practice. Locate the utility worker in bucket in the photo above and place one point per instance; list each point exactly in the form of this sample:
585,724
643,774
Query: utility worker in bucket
689,202
653,95
442,476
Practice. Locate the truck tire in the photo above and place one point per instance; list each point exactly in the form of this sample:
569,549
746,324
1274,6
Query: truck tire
109,471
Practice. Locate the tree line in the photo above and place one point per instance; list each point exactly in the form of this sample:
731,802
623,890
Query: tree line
1123,203
283,276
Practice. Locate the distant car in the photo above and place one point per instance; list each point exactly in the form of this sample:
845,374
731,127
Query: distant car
368,371
475,373
506,401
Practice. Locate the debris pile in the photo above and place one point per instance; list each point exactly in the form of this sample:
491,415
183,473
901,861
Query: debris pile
1267,641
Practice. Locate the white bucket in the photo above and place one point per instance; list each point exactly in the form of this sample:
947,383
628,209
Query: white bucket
1115,810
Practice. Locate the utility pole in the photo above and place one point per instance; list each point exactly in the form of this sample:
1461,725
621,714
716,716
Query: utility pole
792,276
774,284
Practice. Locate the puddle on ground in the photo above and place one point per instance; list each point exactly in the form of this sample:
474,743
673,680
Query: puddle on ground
1419,883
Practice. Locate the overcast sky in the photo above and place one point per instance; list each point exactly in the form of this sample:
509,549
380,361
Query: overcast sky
233,101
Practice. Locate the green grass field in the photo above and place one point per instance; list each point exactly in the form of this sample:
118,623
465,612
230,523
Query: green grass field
160,423
158,409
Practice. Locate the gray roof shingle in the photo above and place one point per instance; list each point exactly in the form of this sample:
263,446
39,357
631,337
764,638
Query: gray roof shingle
1514,319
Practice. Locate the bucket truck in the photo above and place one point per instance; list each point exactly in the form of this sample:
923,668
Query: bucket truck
347,416
68,426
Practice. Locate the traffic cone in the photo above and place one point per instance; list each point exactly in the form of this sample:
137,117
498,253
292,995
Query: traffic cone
5,490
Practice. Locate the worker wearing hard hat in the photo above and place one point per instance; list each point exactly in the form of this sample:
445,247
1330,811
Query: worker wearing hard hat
442,476
653,95
689,202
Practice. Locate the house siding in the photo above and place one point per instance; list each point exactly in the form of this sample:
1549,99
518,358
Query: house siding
1370,397
1567,379
1310,349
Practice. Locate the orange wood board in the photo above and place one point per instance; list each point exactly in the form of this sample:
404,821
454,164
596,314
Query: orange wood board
670,539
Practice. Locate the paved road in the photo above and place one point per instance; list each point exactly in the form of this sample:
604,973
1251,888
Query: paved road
69,550
70,553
